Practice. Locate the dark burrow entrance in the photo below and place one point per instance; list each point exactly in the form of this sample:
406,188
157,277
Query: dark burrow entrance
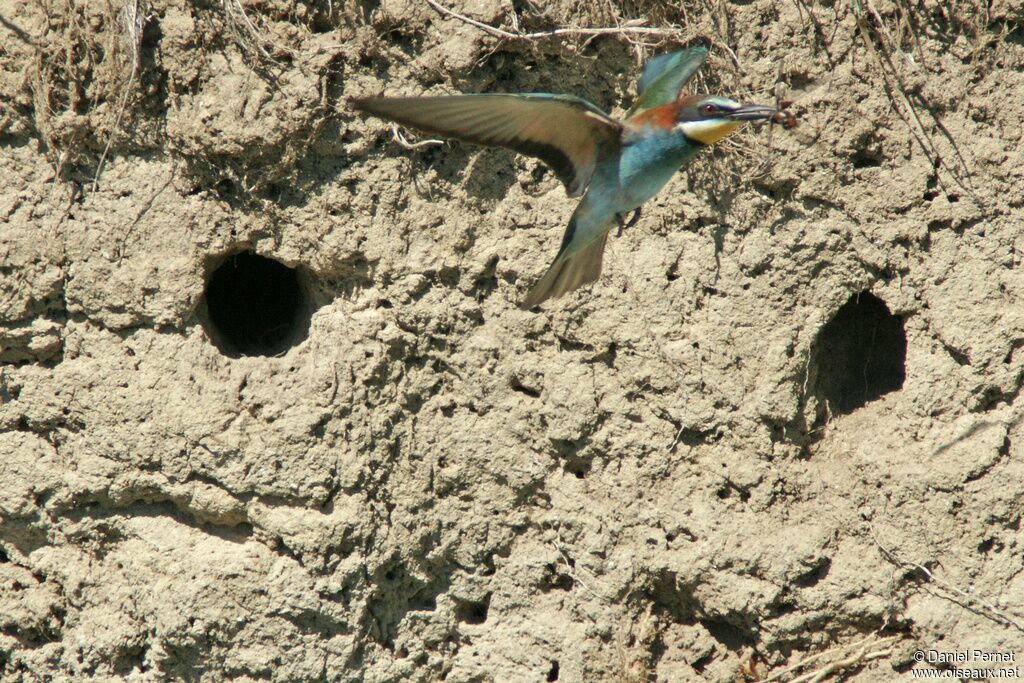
858,356
256,306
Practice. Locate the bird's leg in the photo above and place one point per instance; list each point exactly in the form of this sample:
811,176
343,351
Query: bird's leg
632,221
634,218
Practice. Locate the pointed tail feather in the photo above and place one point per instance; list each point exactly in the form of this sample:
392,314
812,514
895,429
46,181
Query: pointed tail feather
568,272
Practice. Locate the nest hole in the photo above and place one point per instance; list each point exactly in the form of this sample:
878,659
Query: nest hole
472,611
256,306
859,356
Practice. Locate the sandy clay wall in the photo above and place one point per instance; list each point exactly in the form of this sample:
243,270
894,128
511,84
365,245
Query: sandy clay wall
269,410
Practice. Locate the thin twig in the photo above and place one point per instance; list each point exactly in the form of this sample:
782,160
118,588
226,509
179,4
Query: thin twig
133,18
571,567
633,27
249,35
920,132
860,656
971,602
123,246
253,32
403,141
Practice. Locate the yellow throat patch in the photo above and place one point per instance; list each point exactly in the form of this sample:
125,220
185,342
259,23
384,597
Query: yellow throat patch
708,132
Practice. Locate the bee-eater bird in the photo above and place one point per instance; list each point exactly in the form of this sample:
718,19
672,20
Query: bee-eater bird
620,165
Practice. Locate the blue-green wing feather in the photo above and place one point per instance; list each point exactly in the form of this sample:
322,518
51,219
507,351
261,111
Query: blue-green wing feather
567,133
665,75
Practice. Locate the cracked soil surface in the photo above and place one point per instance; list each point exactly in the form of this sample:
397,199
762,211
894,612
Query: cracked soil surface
787,418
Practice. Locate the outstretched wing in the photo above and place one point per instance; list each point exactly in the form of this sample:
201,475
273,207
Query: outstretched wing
665,75
565,132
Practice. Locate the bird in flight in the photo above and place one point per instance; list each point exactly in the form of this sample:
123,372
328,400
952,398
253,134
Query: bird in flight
615,165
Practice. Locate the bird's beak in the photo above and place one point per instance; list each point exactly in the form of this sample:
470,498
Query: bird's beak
752,112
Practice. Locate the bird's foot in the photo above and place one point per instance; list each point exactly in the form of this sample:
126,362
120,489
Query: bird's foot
623,225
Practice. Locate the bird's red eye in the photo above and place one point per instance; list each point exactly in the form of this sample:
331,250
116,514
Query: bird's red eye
710,109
